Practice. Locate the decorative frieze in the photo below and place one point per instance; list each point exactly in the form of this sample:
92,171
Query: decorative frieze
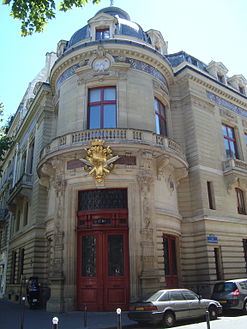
228,115
222,102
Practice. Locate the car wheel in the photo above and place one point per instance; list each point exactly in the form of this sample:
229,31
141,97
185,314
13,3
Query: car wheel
213,314
169,320
245,308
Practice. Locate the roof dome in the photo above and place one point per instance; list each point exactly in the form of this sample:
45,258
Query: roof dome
124,26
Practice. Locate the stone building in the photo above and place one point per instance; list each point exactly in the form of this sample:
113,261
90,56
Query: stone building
128,172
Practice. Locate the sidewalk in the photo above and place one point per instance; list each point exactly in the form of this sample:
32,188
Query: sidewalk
11,314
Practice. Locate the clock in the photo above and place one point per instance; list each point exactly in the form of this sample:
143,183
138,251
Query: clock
101,64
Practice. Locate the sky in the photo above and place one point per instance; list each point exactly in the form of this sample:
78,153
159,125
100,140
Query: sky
208,30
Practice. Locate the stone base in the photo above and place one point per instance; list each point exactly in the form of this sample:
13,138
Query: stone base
54,305
149,283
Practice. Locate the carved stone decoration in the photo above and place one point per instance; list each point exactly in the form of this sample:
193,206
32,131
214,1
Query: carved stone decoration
170,184
228,115
57,247
147,243
180,173
233,181
99,161
244,123
146,161
145,184
162,163
59,185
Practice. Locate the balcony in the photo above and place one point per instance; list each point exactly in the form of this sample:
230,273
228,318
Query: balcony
235,172
114,136
234,166
22,187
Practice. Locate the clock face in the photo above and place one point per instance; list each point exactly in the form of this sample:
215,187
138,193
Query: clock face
101,64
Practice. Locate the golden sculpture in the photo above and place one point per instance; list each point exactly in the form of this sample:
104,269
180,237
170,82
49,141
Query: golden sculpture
99,161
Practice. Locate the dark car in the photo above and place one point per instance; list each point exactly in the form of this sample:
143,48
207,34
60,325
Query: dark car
168,306
232,294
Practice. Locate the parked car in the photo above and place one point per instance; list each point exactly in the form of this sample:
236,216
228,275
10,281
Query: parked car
168,306
232,294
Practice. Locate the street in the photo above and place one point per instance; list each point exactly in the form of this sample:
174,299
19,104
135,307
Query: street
11,315
227,321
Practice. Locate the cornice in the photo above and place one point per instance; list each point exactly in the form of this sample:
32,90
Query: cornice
42,92
211,85
114,50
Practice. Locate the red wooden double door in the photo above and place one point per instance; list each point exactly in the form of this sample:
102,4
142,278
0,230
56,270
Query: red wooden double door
103,273
102,249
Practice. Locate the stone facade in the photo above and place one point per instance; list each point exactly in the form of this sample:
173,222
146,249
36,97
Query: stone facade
186,222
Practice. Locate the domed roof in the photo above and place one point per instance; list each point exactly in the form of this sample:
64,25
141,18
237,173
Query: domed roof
124,26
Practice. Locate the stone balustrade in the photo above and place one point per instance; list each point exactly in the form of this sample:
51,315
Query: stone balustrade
234,164
113,135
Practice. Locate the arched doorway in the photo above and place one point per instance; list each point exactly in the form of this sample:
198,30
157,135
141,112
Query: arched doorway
103,255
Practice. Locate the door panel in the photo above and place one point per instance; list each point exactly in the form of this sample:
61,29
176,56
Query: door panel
103,271
116,277
170,261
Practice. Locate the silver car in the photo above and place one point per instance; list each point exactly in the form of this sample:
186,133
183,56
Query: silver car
232,294
168,306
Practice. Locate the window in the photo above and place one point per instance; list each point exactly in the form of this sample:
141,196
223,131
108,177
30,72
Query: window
230,142
30,158
190,295
18,220
211,200
240,201
102,34
23,163
175,295
25,216
102,108
13,266
245,253
20,264
160,118
241,90
245,136
218,263
220,77
169,249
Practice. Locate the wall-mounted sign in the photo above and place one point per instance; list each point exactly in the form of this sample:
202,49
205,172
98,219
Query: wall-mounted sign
211,238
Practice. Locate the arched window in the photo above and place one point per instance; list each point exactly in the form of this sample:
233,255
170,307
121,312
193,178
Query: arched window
240,201
160,118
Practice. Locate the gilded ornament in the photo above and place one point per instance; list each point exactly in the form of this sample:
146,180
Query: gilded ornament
99,160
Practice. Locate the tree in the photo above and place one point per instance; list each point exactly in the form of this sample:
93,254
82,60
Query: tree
34,15
5,141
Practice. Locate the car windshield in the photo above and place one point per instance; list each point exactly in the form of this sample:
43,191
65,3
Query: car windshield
153,296
225,287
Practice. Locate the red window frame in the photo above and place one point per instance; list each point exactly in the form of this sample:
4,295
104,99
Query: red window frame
102,34
101,103
227,138
160,118
240,201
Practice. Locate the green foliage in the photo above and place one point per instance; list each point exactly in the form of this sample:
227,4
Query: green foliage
34,15
5,141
